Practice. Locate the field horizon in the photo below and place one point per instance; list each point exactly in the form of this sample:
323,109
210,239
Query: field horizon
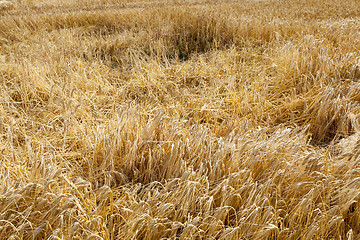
179,119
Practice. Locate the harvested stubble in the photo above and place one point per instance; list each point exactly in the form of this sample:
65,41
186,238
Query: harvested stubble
180,119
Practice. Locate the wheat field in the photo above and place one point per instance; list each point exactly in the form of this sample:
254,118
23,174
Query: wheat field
179,119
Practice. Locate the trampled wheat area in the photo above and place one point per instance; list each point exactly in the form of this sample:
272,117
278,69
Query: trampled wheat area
188,119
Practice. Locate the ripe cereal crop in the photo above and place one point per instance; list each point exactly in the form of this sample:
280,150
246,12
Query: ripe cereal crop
179,119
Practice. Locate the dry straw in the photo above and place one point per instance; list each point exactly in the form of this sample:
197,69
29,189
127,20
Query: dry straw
179,119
